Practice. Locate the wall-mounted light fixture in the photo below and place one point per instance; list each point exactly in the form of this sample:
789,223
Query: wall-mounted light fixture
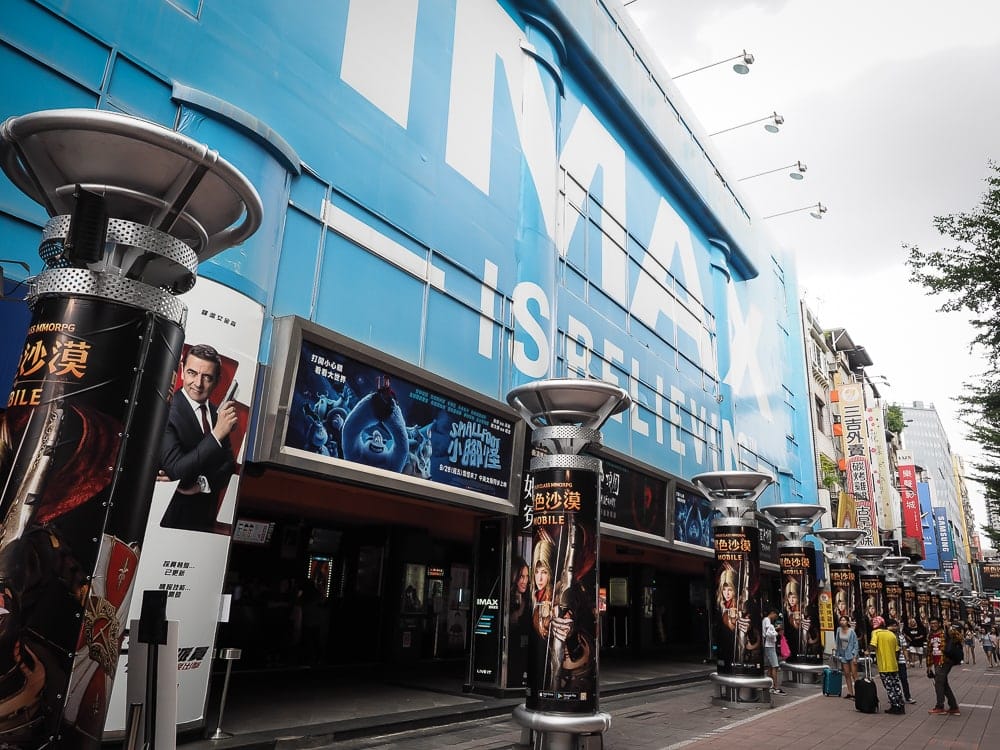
816,211
742,67
798,173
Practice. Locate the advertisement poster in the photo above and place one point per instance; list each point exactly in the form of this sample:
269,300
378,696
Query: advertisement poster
633,500
923,606
693,516
909,600
343,409
90,388
843,586
738,640
191,520
894,600
799,604
562,663
486,603
872,587
989,574
859,470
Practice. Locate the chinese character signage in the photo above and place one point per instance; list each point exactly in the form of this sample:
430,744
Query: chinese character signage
894,600
843,586
908,492
872,588
343,409
859,475
737,617
989,574
562,662
90,395
633,500
799,603
693,516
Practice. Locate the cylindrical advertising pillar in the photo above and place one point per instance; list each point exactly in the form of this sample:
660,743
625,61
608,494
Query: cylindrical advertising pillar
562,666
799,584
935,599
871,588
736,628
563,686
923,597
908,572
894,609
737,636
89,400
839,544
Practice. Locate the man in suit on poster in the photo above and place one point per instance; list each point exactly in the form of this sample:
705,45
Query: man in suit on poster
196,450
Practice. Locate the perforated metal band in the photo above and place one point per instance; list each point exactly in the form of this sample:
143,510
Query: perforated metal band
566,461
181,260
81,281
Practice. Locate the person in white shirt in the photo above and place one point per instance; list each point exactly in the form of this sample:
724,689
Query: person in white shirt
770,633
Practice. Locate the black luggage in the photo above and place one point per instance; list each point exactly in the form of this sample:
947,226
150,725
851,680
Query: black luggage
865,693
832,682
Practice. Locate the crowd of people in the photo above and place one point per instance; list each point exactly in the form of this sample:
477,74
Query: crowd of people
895,647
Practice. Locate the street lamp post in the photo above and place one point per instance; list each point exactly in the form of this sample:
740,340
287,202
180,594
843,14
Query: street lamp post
774,122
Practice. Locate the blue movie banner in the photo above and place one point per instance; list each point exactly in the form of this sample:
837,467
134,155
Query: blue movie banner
345,409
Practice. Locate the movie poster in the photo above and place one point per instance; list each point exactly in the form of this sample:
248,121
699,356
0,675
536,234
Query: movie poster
909,599
923,605
562,662
343,409
894,600
633,500
738,638
872,586
91,387
191,517
693,516
843,584
800,603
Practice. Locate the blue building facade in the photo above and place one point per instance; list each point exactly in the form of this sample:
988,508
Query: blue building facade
472,194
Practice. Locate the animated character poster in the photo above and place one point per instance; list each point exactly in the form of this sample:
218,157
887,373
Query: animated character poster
344,409
90,391
843,585
872,587
894,600
562,662
737,619
800,603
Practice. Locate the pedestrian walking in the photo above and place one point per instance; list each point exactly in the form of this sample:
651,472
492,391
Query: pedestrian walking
943,653
904,679
916,641
989,646
770,633
969,638
885,645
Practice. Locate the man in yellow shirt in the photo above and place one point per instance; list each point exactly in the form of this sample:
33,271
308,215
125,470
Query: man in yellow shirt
885,644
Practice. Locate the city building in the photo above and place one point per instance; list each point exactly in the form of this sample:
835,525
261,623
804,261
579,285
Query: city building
926,439
458,199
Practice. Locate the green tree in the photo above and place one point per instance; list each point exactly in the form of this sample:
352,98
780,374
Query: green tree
894,421
967,274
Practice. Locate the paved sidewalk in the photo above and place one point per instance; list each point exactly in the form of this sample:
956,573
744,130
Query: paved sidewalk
820,722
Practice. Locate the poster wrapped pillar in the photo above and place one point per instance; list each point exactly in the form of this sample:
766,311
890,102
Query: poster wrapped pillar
134,207
736,615
908,572
871,587
562,702
799,585
934,588
839,544
922,582
892,565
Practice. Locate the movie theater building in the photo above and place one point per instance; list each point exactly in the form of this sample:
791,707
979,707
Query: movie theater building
459,197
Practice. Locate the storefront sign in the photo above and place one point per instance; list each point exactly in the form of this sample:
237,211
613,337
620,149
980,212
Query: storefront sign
633,500
693,516
562,667
908,491
945,548
989,575
345,410
738,639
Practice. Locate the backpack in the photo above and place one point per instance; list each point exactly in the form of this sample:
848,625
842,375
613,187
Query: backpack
954,652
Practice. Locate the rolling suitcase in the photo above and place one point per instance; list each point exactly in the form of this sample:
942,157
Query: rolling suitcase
865,693
833,680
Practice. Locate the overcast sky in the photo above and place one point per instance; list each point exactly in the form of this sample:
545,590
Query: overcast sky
894,107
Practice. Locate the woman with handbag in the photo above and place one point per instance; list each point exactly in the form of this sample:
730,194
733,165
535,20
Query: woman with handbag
846,653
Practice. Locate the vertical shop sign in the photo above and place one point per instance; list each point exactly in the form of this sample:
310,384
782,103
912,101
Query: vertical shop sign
738,638
562,668
908,490
859,475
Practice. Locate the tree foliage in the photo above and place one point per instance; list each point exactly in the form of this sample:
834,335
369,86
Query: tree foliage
894,421
967,274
